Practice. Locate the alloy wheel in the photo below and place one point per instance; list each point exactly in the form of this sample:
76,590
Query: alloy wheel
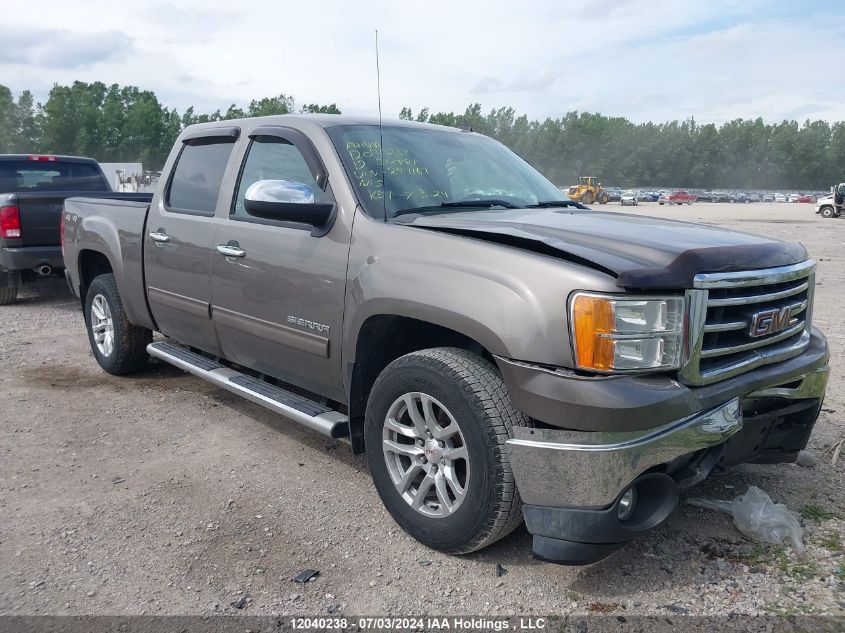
426,454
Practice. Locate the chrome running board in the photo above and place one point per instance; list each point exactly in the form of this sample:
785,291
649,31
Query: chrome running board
312,414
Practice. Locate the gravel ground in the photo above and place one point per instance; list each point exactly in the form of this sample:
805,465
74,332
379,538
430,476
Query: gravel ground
160,494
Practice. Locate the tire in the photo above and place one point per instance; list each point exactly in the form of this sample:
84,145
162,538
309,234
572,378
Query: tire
466,390
603,198
8,296
827,212
587,198
128,351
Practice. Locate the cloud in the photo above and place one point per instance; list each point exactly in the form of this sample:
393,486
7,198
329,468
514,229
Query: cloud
180,19
642,59
485,86
61,49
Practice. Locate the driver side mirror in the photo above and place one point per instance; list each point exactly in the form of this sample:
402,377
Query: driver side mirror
287,201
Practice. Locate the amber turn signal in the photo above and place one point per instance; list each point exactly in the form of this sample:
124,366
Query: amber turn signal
593,316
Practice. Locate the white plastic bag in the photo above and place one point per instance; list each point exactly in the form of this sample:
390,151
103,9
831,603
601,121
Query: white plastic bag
759,518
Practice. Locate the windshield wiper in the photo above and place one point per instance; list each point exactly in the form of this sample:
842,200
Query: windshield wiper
548,204
480,204
489,202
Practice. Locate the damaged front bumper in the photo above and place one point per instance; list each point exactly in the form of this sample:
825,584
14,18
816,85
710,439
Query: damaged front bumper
586,493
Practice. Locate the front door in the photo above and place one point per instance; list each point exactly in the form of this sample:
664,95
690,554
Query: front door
179,238
277,303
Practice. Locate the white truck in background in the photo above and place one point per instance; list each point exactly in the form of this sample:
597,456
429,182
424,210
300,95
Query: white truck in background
833,205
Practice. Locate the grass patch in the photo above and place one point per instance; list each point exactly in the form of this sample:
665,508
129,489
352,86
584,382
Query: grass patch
817,513
795,569
831,542
756,555
774,608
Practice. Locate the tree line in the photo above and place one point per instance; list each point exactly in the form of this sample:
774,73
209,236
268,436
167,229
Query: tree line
126,124
119,124
740,154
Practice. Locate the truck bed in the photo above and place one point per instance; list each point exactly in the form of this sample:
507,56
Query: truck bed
41,211
113,225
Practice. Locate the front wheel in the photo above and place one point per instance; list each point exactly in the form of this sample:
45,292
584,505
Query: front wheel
119,346
435,430
827,212
603,198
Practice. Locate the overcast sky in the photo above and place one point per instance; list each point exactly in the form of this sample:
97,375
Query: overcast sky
643,59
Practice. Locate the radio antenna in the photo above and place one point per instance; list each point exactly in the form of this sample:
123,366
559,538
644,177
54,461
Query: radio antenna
378,82
380,135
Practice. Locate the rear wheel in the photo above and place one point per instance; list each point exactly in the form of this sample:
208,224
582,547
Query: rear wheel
587,198
119,346
8,296
435,430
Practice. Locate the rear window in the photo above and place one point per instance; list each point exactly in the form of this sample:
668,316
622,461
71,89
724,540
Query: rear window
34,176
197,177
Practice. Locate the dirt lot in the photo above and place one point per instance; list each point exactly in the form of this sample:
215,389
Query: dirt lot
161,494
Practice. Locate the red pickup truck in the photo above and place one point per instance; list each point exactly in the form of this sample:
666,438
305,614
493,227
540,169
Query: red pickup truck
677,197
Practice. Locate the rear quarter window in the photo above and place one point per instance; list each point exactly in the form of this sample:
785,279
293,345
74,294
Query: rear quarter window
197,177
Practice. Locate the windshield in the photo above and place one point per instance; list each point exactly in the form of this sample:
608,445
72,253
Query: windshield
424,168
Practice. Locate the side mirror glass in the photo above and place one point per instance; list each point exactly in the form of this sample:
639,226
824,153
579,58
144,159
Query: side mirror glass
286,201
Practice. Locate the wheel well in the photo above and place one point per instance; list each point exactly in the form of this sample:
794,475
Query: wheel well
91,265
381,340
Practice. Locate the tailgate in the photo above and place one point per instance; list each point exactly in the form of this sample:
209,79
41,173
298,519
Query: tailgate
40,216
41,213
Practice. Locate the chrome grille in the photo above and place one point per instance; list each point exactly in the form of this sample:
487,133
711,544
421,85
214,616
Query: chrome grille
722,309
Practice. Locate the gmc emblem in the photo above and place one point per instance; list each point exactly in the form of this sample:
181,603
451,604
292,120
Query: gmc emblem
772,321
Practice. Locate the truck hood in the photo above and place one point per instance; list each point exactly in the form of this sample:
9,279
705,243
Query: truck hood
639,251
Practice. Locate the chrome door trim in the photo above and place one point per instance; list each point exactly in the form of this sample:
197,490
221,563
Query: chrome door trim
191,306
276,332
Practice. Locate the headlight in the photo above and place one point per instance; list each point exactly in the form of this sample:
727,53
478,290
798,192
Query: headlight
626,333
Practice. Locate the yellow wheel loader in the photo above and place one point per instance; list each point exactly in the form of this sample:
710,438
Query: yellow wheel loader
587,191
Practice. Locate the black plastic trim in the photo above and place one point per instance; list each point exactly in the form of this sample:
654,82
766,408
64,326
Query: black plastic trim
657,497
563,552
302,143
188,356
278,394
222,134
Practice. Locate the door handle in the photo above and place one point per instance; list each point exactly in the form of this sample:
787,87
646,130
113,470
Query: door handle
231,250
159,236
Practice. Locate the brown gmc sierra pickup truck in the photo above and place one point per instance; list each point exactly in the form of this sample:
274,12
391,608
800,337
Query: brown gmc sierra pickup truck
500,352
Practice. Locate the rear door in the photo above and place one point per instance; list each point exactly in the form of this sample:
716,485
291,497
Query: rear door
179,237
278,307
